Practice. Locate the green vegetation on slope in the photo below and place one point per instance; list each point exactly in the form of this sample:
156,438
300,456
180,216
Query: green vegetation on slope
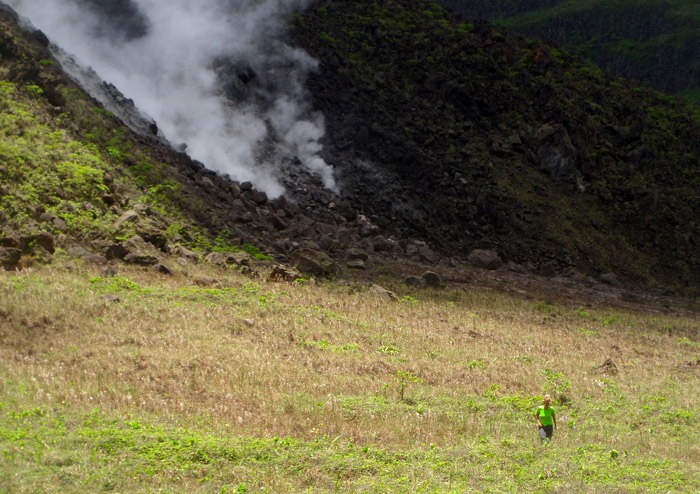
253,386
45,171
652,41
71,169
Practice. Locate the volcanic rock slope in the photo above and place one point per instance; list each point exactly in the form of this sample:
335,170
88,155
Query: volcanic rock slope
482,139
450,133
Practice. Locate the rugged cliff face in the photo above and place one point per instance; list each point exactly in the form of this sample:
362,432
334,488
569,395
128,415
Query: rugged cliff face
446,137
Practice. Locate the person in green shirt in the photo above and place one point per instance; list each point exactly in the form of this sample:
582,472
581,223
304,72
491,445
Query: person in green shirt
546,419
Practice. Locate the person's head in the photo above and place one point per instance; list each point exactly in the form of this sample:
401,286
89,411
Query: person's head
547,400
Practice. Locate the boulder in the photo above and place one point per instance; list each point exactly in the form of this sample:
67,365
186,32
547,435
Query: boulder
383,292
9,242
419,250
426,254
279,222
432,279
229,258
141,259
152,233
283,273
9,258
96,259
258,197
487,259
356,264
129,216
382,244
329,244
316,263
184,252
116,251
610,279
44,240
163,269
357,254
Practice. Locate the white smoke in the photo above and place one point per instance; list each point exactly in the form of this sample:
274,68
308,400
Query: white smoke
170,72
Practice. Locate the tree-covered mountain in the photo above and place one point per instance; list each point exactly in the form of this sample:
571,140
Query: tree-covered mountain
458,135
655,42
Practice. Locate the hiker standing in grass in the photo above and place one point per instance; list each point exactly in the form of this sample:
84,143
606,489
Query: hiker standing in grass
546,419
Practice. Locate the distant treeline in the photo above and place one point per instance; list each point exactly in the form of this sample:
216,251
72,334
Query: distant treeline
654,42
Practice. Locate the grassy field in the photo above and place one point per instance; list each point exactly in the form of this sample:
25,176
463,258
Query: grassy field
210,381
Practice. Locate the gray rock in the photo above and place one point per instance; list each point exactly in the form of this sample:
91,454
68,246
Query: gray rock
163,269
184,252
258,197
279,222
383,292
235,190
153,234
356,253
514,267
382,244
129,216
426,254
228,259
96,259
283,273
141,259
316,263
545,131
77,252
356,264
487,259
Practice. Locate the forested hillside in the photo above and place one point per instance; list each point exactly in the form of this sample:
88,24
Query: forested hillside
655,42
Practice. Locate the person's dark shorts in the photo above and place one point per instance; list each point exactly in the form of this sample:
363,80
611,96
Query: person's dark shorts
546,432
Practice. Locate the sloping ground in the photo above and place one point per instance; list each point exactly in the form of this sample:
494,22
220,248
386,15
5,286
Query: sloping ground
73,177
654,42
482,139
456,134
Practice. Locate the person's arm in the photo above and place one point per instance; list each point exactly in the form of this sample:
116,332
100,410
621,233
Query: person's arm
554,418
537,417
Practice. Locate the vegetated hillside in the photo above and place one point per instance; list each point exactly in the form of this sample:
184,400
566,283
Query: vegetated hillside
655,42
73,177
70,169
492,140
455,134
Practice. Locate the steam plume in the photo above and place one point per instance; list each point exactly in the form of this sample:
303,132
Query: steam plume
214,74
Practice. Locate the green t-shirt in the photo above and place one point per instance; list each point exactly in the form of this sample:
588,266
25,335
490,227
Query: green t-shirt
545,415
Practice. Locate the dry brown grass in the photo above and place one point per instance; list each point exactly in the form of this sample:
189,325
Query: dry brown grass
308,361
